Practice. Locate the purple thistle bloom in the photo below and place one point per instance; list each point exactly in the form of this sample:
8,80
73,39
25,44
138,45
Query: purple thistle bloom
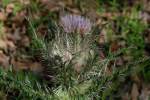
75,23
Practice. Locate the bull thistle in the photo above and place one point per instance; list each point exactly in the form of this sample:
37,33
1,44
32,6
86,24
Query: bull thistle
70,44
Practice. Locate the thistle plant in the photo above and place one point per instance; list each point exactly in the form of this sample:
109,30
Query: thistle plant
73,43
69,59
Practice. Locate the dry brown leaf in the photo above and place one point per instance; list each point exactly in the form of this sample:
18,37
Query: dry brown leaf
2,16
9,8
10,45
20,16
51,4
134,92
3,45
4,60
73,10
16,35
19,65
36,67
69,2
27,65
25,42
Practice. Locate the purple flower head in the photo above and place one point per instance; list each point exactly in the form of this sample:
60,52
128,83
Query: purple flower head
75,23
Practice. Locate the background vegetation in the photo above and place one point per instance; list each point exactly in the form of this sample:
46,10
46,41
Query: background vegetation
117,65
